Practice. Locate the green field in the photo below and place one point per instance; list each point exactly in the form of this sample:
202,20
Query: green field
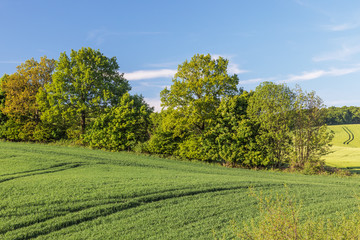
345,154
52,192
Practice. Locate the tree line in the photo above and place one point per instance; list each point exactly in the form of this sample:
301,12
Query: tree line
205,114
343,115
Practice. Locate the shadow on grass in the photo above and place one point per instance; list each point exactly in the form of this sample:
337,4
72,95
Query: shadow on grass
355,170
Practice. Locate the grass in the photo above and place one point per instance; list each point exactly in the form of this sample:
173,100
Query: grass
346,147
54,192
343,133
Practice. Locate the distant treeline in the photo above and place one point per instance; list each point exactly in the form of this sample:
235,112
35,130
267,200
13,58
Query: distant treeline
343,115
84,98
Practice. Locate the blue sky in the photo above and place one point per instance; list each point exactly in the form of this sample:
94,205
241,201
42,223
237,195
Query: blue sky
315,44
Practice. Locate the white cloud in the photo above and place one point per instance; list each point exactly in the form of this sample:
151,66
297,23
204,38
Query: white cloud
342,54
305,76
148,74
150,84
154,102
163,65
344,102
169,73
255,80
233,68
341,27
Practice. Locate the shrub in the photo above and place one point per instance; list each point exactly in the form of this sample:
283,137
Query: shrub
121,127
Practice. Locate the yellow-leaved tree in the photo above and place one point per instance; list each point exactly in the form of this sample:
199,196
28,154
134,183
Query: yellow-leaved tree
20,104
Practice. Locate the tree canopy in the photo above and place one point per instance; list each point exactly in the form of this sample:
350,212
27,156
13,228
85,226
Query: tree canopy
20,90
197,89
83,85
270,108
22,87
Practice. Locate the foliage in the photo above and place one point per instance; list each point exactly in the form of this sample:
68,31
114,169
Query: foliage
191,103
205,115
84,85
311,138
164,139
270,108
197,89
3,117
343,115
20,105
121,127
232,137
22,87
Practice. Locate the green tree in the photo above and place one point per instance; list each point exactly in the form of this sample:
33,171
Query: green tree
311,138
163,139
192,100
2,99
197,89
3,117
121,127
270,107
232,136
84,85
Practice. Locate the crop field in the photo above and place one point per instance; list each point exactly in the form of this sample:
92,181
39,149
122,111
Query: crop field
346,147
53,192
346,135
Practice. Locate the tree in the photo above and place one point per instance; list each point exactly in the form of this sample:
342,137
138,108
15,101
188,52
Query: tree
163,139
270,107
84,85
197,89
121,127
311,138
191,102
21,89
2,99
232,136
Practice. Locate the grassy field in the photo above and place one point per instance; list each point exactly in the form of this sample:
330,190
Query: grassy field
341,135
346,147
51,192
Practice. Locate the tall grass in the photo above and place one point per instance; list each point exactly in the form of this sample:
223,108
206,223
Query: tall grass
279,218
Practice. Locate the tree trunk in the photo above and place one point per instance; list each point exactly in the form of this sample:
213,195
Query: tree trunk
83,122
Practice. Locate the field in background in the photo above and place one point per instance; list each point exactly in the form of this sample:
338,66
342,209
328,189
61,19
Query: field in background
346,147
51,192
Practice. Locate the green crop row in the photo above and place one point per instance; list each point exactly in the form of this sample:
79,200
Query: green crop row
52,192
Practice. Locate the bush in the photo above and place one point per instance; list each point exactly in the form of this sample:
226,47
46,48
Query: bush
192,149
163,143
121,127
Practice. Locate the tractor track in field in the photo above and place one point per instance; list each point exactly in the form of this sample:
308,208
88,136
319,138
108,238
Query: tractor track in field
53,169
350,135
54,224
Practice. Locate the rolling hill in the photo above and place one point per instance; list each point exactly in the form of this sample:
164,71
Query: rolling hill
346,147
53,192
